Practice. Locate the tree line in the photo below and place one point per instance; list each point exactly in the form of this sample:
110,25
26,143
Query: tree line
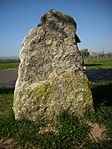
95,56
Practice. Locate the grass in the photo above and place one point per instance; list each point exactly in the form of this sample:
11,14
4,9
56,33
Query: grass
9,64
90,64
98,64
72,131
102,116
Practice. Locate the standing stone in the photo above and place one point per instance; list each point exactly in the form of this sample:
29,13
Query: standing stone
50,76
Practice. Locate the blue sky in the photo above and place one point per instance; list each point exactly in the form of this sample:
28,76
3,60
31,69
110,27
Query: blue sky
93,17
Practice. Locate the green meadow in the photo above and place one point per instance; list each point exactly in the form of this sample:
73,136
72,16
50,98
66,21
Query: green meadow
90,64
9,64
98,64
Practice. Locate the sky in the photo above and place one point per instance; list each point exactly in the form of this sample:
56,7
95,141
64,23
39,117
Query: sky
93,18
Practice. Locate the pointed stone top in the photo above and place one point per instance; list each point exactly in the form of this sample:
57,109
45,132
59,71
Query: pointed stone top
60,17
54,17
50,77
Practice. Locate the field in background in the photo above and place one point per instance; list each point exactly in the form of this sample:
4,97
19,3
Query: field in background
90,64
98,64
9,64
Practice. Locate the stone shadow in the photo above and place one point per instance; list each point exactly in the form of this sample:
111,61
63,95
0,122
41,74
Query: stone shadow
92,64
6,90
72,133
102,94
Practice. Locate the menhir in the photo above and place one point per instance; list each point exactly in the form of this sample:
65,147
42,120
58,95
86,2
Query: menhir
50,76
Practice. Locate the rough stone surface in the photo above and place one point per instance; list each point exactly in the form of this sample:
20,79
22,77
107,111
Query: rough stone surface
50,76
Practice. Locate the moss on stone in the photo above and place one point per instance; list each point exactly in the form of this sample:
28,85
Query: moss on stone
44,90
87,95
41,90
63,95
71,83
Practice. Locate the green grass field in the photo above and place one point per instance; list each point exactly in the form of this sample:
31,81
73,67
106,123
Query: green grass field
73,132
94,64
98,64
9,64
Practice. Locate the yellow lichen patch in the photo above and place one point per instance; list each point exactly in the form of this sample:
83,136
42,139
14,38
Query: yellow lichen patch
78,85
44,89
40,90
87,95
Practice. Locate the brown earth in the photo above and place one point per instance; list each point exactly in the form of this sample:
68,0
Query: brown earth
97,132
8,144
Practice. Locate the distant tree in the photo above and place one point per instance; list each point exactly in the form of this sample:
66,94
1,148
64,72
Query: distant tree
85,53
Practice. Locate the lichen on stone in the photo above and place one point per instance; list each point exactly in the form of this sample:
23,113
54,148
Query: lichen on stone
44,90
50,76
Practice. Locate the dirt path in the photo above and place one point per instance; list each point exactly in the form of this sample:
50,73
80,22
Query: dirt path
8,77
99,76
8,144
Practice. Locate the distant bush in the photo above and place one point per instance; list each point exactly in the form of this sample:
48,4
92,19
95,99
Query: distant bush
9,60
9,63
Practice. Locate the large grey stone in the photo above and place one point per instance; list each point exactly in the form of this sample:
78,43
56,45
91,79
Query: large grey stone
50,76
